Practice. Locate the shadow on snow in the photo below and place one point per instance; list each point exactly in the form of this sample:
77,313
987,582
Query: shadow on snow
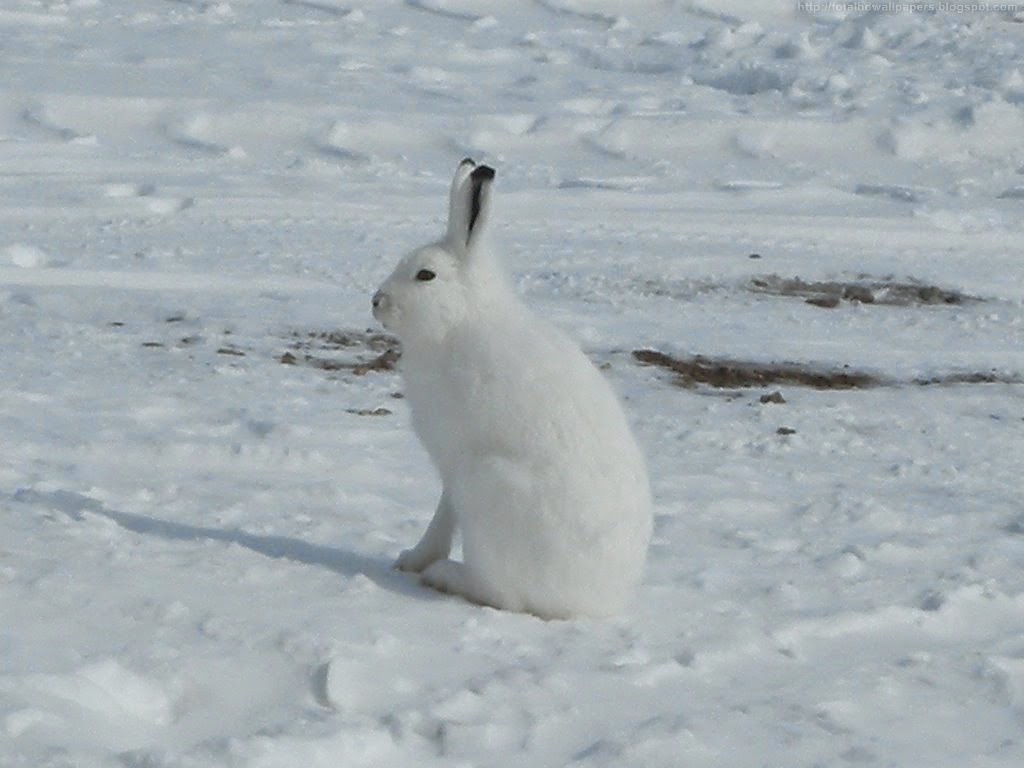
340,561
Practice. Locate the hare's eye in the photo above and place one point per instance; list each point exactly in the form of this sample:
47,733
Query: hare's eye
425,274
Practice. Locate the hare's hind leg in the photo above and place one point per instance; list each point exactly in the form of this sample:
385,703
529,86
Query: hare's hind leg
436,543
453,578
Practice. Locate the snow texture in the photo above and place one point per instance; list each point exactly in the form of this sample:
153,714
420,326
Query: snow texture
207,469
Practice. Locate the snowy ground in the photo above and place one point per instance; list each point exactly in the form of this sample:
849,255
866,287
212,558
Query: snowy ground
196,539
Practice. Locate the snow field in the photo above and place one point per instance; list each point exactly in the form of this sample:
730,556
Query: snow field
196,539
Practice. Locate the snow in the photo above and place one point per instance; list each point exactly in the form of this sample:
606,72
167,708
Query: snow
196,539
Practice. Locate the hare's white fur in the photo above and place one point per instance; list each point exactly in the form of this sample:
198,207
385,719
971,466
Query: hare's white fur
540,471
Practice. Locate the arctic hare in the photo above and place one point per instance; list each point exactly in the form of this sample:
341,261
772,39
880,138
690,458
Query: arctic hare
540,471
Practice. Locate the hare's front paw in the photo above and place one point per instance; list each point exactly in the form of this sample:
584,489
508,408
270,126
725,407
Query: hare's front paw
415,560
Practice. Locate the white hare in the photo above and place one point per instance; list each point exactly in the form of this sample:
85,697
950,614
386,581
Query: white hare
541,474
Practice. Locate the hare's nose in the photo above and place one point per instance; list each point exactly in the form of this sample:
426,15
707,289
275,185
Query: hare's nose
379,299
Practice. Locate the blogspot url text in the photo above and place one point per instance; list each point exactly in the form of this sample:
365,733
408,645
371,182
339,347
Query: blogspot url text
893,7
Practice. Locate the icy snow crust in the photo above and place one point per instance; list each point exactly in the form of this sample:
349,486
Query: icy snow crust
196,539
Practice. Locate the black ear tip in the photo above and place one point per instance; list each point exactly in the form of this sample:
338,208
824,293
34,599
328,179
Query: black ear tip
467,161
482,173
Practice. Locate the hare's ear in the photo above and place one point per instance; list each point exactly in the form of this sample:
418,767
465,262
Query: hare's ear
470,203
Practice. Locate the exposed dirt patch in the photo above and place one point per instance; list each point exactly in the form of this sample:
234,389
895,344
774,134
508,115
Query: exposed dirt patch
865,290
734,374
722,373
970,377
358,352
369,411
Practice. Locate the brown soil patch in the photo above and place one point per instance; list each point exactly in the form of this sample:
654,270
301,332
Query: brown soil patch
887,291
733,374
691,372
358,352
369,411
969,377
